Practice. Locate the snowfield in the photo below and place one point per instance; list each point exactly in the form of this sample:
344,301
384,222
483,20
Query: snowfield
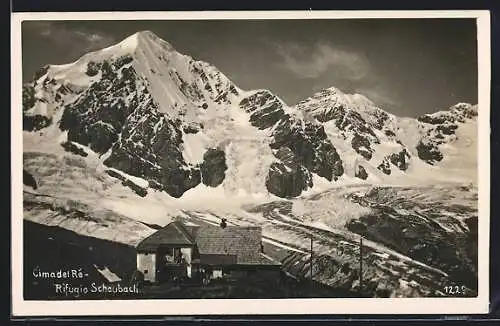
101,207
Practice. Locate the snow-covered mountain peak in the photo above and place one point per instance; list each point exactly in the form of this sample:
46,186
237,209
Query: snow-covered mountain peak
321,104
353,112
148,36
128,45
154,113
181,86
466,109
458,113
143,40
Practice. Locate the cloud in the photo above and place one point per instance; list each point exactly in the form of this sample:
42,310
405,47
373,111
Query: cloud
379,96
75,40
321,65
321,58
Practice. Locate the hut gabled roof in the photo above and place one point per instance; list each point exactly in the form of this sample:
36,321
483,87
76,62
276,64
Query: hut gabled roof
243,243
174,233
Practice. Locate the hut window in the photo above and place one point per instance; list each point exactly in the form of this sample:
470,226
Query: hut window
145,271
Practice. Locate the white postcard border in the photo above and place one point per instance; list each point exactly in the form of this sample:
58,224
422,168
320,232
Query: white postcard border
21,307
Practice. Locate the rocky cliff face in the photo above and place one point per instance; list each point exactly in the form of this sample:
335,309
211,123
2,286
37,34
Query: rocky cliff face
440,128
380,138
301,145
354,117
153,113
213,168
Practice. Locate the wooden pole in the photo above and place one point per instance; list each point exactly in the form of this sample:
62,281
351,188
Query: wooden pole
361,266
311,261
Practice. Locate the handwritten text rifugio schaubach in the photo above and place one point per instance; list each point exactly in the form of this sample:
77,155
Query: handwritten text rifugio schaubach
67,289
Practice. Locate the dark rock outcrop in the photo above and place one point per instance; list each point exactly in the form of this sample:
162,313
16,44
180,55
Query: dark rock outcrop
93,68
310,146
35,122
213,169
400,159
177,181
32,122
72,148
446,129
40,72
190,129
361,173
362,146
380,119
28,97
121,61
265,108
327,162
286,182
287,178
135,188
385,167
429,152
128,183
101,137
29,180
206,77
389,133
427,118
115,174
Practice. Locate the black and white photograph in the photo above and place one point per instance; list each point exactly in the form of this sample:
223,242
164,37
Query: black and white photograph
250,157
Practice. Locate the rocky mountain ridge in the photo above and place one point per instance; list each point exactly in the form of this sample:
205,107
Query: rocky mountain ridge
177,123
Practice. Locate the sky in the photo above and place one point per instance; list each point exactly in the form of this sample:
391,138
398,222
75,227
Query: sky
406,66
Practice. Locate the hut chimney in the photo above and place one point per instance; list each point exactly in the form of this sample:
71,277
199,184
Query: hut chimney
223,223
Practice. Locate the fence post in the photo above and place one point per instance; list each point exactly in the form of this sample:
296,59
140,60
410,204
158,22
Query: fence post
361,266
311,262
